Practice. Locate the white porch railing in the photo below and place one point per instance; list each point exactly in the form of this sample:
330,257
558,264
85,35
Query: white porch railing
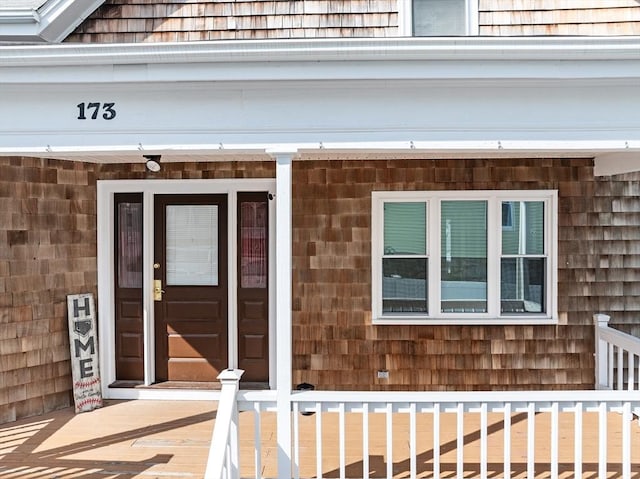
440,434
617,356
424,418
223,461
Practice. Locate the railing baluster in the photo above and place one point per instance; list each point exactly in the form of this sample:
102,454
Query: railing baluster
436,441
319,440
626,440
531,440
577,437
257,442
460,441
389,440
630,372
554,440
610,365
342,441
365,441
483,441
620,368
507,440
412,440
602,442
296,440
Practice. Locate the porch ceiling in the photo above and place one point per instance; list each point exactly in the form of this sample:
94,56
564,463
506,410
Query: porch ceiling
607,162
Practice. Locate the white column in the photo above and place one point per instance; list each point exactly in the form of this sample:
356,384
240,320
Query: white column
283,311
601,321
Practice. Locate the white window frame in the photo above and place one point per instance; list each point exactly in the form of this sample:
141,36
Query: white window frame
494,198
405,18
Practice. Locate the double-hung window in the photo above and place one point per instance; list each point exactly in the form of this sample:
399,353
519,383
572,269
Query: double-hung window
439,18
464,257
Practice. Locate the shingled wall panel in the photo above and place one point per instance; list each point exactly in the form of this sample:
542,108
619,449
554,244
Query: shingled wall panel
559,17
335,344
47,250
134,21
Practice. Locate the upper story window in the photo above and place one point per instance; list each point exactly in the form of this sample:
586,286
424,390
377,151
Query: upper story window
464,257
438,18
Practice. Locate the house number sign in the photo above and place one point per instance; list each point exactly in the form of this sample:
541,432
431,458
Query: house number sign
95,110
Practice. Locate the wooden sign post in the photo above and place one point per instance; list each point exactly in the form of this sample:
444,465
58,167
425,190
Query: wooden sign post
83,341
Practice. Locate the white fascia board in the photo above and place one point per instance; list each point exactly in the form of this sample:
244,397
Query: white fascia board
465,60
51,23
18,15
546,53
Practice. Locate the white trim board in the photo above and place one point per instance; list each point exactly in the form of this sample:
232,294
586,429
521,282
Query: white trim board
106,326
52,22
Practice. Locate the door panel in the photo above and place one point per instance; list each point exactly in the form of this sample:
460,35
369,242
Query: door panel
128,287
253,287
191,261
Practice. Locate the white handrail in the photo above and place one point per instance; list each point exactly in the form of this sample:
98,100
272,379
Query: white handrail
450,401
223,451
612,346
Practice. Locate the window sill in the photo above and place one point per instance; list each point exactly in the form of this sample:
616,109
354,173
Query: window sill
503,321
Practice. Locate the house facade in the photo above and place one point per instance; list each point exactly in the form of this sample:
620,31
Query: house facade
356,195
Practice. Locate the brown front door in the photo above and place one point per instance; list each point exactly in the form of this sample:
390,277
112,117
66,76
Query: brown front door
190,260
253,287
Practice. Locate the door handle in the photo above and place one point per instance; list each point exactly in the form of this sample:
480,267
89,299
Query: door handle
157,290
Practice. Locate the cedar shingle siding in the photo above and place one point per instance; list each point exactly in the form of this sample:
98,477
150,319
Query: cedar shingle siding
559,17
47,250
133,21
335,345
167,21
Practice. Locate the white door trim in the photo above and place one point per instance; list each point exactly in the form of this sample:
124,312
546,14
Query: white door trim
106,296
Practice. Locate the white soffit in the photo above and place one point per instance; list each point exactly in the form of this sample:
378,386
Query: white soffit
42,21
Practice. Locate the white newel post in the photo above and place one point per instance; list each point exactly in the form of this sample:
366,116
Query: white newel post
283,311
227,414
601,321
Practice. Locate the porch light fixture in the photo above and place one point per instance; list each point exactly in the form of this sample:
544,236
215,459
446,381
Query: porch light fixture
153,163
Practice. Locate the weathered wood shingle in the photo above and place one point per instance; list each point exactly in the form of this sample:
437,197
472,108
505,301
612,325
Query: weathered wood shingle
157,21
47,250
559,17
335,345
132,21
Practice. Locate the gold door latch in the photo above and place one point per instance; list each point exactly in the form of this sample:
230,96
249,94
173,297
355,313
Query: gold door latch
157,290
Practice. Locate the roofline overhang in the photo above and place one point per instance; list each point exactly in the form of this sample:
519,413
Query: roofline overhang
51,23
457,49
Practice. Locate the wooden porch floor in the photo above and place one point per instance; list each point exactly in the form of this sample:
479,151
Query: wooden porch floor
170,439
